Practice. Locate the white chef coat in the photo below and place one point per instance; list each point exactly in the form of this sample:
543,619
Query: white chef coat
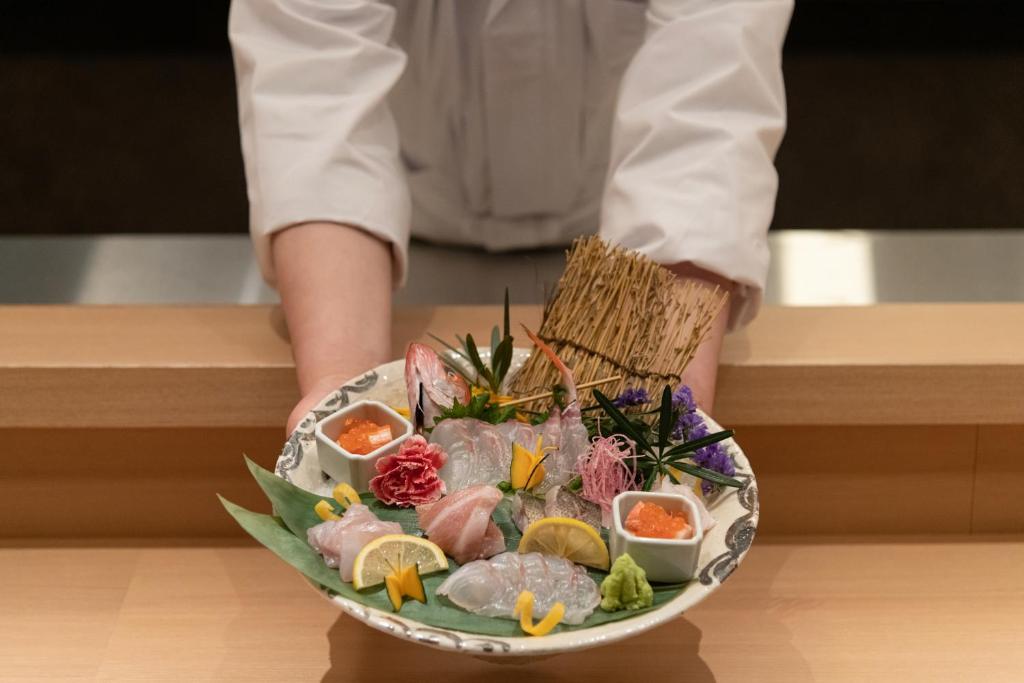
518,123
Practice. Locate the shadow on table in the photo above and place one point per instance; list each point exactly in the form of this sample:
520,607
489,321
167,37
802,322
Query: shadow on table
368,655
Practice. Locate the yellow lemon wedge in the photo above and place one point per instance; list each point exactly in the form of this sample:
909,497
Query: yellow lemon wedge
527,469
405,583
346,495
392,553
566,537
325,512
524,610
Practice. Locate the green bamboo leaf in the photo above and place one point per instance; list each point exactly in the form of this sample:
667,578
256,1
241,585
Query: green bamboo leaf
293,505
697,444
495,340
665,419
290,545
505,319
459,352
474,357
503,360
709,475
622,421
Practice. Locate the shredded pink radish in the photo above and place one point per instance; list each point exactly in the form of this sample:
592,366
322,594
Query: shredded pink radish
607,468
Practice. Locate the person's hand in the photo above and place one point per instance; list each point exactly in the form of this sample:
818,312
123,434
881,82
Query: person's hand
316,393
335,285
701,376
702,373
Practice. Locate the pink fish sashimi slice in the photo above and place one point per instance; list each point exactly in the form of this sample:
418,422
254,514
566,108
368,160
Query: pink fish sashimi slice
339,541
461,523
493,543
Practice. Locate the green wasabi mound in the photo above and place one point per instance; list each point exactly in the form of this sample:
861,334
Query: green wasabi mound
626,587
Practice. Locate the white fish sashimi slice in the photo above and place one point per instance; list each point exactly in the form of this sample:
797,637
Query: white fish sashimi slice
491,587
481,453
339,541
478,453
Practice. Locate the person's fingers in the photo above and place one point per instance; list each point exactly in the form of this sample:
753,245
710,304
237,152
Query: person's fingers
316,394
299,412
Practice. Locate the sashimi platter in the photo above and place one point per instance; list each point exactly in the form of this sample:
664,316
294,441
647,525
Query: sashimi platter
508,500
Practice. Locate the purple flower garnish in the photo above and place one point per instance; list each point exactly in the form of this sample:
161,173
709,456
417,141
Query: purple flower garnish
683,398
631,397
690,426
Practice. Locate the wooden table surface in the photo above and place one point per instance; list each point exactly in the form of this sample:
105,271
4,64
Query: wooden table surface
947,609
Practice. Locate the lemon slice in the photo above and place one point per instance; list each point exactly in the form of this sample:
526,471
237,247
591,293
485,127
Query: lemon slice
566,537
390,554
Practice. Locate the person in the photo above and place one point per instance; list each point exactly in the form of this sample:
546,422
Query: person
503,124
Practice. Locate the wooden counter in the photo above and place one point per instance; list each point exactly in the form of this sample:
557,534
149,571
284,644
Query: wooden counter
856,419
858,611
116,366
124,422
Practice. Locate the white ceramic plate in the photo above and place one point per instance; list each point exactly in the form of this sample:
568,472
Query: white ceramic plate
736,512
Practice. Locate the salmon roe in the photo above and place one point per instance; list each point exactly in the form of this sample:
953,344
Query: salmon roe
650,520
361,437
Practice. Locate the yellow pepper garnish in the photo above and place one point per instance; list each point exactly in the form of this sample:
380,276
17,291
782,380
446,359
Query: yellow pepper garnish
404,412
524,610
492,397
405,582
527,470
345,495
325,512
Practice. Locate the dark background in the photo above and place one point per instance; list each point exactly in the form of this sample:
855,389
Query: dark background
120,117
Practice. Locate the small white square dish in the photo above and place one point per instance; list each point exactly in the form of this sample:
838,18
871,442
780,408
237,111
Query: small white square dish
352,468
666,560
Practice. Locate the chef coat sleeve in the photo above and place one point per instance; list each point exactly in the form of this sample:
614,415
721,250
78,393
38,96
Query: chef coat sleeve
701,113
318,140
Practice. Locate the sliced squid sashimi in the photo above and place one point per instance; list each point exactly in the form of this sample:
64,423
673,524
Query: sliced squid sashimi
339,541
491,587
461,523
